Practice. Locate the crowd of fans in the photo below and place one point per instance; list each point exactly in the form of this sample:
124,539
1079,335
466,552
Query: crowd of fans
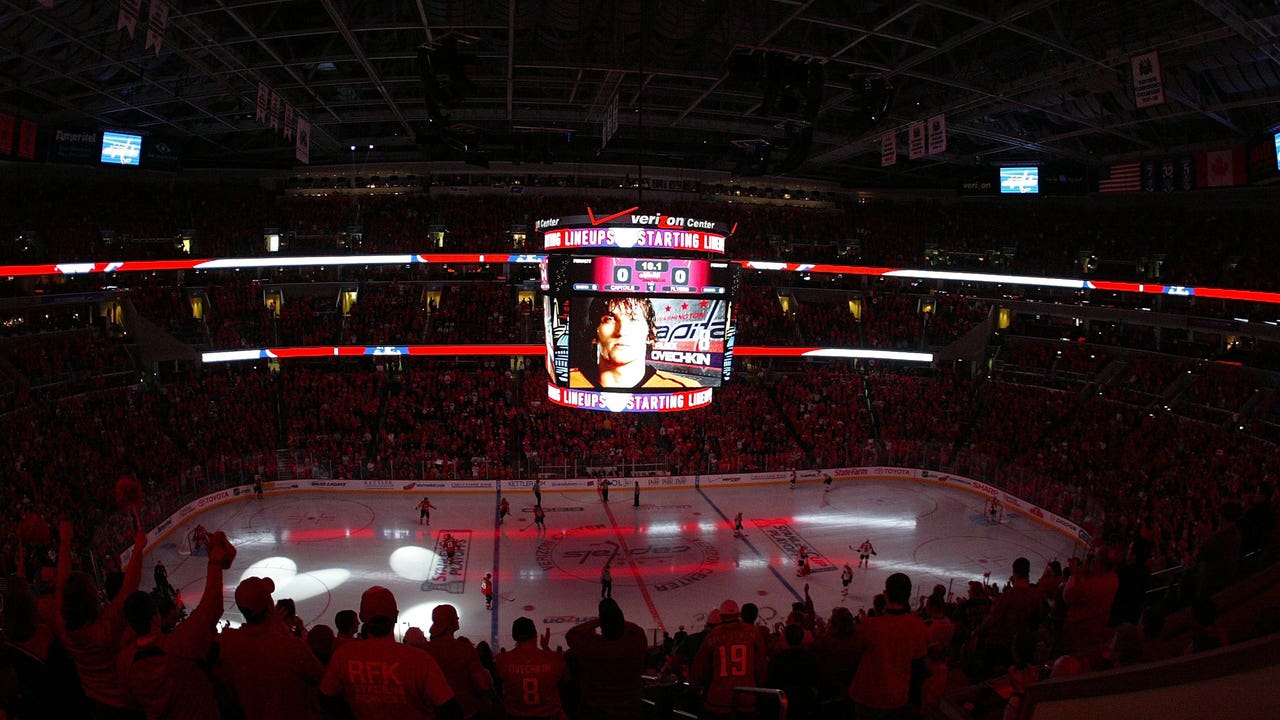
124,652
1186,244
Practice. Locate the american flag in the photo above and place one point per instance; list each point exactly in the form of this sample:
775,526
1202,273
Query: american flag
1121,178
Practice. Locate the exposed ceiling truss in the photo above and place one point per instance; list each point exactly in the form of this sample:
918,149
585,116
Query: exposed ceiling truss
1045,81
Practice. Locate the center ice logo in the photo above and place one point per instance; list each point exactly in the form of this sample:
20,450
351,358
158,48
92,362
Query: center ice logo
582,552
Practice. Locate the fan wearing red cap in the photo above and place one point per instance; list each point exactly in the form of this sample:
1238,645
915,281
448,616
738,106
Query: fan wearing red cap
733,655
273,673
379,678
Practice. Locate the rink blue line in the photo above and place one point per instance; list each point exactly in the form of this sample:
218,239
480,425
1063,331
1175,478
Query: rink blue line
799,597
497,554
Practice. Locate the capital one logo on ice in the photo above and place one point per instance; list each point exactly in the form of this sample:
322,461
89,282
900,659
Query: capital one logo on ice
692,558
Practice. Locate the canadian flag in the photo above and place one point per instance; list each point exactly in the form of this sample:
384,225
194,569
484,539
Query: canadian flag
1220,168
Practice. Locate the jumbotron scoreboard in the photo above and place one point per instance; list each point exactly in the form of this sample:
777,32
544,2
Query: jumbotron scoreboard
639,311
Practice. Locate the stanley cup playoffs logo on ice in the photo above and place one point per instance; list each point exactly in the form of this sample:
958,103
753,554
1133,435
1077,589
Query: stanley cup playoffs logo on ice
449,576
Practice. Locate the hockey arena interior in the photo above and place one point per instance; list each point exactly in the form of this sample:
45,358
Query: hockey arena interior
639,360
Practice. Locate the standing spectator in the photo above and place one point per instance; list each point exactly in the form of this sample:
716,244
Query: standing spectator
941,633
460,662
1131,587
1216,560
795,670
379,678
347,622
1015,610
1088,596
320,639
289,616
608,663
888,645
273,673
92,634
687,644
732,656
1050,580
1021,673
531,676
41,678
161,672
836,658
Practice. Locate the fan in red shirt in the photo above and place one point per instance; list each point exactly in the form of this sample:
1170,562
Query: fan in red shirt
733,655
161,671
608,664
380,678
887,646
530,675
273,673
460,662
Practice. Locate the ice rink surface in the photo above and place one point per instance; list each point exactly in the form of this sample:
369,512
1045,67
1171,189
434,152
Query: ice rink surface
674,557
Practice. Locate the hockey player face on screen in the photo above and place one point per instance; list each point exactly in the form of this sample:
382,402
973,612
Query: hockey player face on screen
625,327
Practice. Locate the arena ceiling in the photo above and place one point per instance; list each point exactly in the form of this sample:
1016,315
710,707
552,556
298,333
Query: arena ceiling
803,88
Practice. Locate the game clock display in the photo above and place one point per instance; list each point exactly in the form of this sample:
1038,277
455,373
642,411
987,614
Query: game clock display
637,275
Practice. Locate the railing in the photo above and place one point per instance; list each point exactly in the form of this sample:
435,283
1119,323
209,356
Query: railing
158,503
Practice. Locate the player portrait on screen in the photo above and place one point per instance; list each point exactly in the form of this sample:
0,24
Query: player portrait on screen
621,330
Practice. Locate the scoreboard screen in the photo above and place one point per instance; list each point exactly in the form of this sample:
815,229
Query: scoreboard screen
622,329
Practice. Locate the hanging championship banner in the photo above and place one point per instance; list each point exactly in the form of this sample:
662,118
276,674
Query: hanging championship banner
1148,85
888,149
275,110
157,21
128,18
6,134
302,142
27,131
915,140
937,134
264,95
288,121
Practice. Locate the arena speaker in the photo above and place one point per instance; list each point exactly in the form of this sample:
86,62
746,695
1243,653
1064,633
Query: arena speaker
443,70
754,157
799,142
791,86
870,98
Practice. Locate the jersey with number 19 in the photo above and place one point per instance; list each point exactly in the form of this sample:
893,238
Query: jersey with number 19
530,681
733,655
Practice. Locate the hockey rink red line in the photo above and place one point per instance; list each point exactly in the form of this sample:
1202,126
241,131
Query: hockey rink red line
635,571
